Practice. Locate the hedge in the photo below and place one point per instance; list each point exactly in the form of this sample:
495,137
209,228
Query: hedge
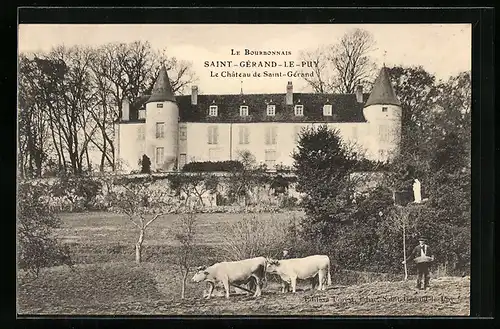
209,166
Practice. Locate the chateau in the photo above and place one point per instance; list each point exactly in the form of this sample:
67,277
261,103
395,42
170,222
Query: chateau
175,130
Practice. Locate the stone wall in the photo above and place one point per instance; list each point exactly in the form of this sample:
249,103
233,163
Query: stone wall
259,194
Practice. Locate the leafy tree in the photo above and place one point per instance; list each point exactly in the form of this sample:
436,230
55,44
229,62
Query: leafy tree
362,230
416,89
37,247
323,164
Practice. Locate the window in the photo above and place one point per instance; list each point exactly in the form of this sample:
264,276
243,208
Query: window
159,155
243,110
243,135
140,133
142,114
296,133
182,133
270,136
212,111
299,110
384,109
160,130
384,133
327,110
159,105
213,134
182,160
270,159
271,110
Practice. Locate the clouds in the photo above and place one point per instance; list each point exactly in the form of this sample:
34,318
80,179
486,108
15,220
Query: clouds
441,49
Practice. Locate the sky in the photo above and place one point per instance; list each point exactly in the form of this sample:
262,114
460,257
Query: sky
442,49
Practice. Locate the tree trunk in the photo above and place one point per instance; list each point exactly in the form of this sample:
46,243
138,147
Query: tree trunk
138,247
404,252
184,279
103,154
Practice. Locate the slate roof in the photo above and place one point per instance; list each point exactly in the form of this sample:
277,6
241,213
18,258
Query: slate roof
162,89
382,91
345,108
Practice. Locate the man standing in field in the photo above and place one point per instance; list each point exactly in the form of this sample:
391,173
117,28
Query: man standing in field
423,256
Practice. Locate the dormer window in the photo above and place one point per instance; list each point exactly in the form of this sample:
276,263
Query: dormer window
299,110
327,110
212,110
243,110
271,110
142,114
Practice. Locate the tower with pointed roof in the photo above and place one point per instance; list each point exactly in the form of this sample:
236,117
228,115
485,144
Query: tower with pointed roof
162,124
382,112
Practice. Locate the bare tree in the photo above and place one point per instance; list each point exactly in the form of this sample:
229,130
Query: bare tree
70,98
344,65
323,80
253,236
142,207
400,219
34,132
67,96
129,70
185,256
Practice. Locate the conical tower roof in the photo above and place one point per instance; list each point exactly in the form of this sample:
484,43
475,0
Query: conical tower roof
382,91
162,90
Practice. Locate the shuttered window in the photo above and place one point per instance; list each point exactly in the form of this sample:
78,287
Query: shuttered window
213,135
271,135
243,135
160,130
159,155
384,133
140,133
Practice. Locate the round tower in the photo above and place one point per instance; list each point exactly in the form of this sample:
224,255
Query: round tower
383,112
162,124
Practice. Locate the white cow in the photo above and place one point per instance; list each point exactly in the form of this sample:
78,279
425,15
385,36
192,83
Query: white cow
238,272
301,268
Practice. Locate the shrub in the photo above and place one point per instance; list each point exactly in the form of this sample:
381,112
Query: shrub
37,247
254,237
207,166
81,191
145,164
288,202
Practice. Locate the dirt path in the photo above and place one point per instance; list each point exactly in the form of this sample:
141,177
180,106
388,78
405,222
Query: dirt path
447,296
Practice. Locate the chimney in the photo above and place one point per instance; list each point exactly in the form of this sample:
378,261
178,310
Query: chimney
194,95
125,109
289,93
359,93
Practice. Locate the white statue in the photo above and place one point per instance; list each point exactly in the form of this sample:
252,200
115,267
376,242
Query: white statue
416,191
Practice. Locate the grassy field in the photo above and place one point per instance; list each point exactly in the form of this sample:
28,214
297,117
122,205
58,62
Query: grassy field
106,281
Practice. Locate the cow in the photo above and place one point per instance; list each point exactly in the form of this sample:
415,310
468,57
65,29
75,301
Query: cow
301,268
237,272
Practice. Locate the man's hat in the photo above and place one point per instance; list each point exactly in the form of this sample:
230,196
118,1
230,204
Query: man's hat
422,238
